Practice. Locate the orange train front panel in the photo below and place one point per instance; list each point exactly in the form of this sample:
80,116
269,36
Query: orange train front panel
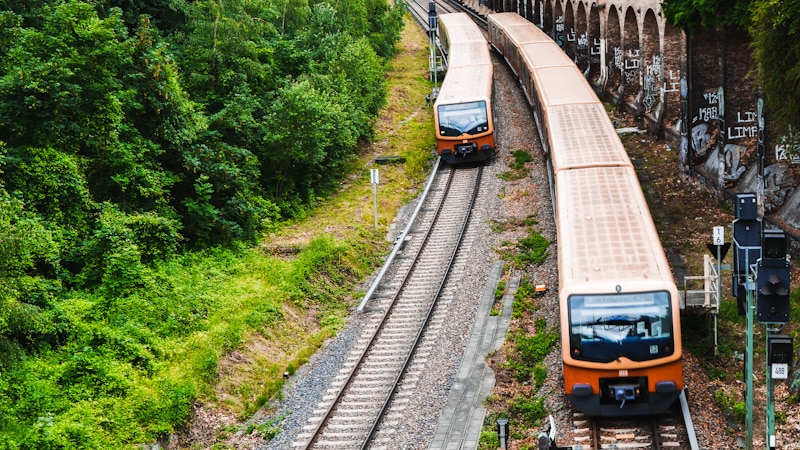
466,150
624,392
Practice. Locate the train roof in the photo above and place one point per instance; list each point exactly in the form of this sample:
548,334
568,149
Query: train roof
466,84
506,19
459,27
564,85
518,29
582,135
605,233
468,54
547,54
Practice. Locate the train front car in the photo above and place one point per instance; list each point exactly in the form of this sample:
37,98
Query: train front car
463,109
620,317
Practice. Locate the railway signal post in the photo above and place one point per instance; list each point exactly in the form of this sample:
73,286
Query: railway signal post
433,25
773,308
747,250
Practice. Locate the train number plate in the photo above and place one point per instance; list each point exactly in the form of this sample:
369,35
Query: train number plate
623,373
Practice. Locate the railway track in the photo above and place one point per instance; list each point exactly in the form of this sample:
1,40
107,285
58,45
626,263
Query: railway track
419,10
399,310
673,430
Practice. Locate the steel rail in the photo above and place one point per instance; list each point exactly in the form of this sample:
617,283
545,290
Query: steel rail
429,314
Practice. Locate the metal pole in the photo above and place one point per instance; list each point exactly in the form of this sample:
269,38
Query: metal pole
770,400
749,287
375,203
719,295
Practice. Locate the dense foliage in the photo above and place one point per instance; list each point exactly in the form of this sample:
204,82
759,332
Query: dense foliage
774,26
131,132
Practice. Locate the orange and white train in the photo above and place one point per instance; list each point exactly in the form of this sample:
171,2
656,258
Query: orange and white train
619,305
463,108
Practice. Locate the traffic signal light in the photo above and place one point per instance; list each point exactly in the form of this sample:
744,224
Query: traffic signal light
773,280
746,244
781,349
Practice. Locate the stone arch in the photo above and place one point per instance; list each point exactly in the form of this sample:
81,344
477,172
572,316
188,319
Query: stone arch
547,22
594,38
558,24
529,10
614,60
538,12
652,68
673,47
632,60
582,39
569,30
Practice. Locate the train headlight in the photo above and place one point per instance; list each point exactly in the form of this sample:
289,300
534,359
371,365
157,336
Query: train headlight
666,387
581,389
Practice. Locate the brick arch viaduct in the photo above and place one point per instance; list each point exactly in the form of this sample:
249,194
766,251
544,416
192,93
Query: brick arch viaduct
695,89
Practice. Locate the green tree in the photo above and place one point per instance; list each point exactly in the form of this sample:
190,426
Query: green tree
689,14
776,49
29,316
307,129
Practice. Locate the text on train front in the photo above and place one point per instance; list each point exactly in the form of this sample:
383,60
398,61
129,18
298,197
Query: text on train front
637,326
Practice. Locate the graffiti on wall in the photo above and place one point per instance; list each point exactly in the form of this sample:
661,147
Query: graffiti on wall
733,155
652,83
560,31
788,149
778,186
581,52
745,126
701,134
632,66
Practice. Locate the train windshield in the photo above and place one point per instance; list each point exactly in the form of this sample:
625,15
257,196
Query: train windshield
463,118
606,327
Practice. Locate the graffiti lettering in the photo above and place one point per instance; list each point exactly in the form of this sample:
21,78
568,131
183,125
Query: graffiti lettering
571,35
742,132
746,117
711,97
788,152
650,91
775,176
674,83
583,41
595,47
632,62
733,158
618,57
631,76
706,114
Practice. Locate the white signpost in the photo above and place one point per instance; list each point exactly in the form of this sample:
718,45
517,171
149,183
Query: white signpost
374,178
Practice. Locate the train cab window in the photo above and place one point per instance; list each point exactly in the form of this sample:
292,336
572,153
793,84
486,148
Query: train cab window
463,118
605,327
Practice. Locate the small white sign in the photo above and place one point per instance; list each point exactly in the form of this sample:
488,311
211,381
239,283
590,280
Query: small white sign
373,176
780,371
719,235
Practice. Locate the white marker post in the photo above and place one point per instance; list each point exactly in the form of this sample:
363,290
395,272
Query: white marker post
375,179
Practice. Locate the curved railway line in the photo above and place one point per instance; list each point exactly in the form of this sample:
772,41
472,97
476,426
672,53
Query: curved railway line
364,403
401,309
